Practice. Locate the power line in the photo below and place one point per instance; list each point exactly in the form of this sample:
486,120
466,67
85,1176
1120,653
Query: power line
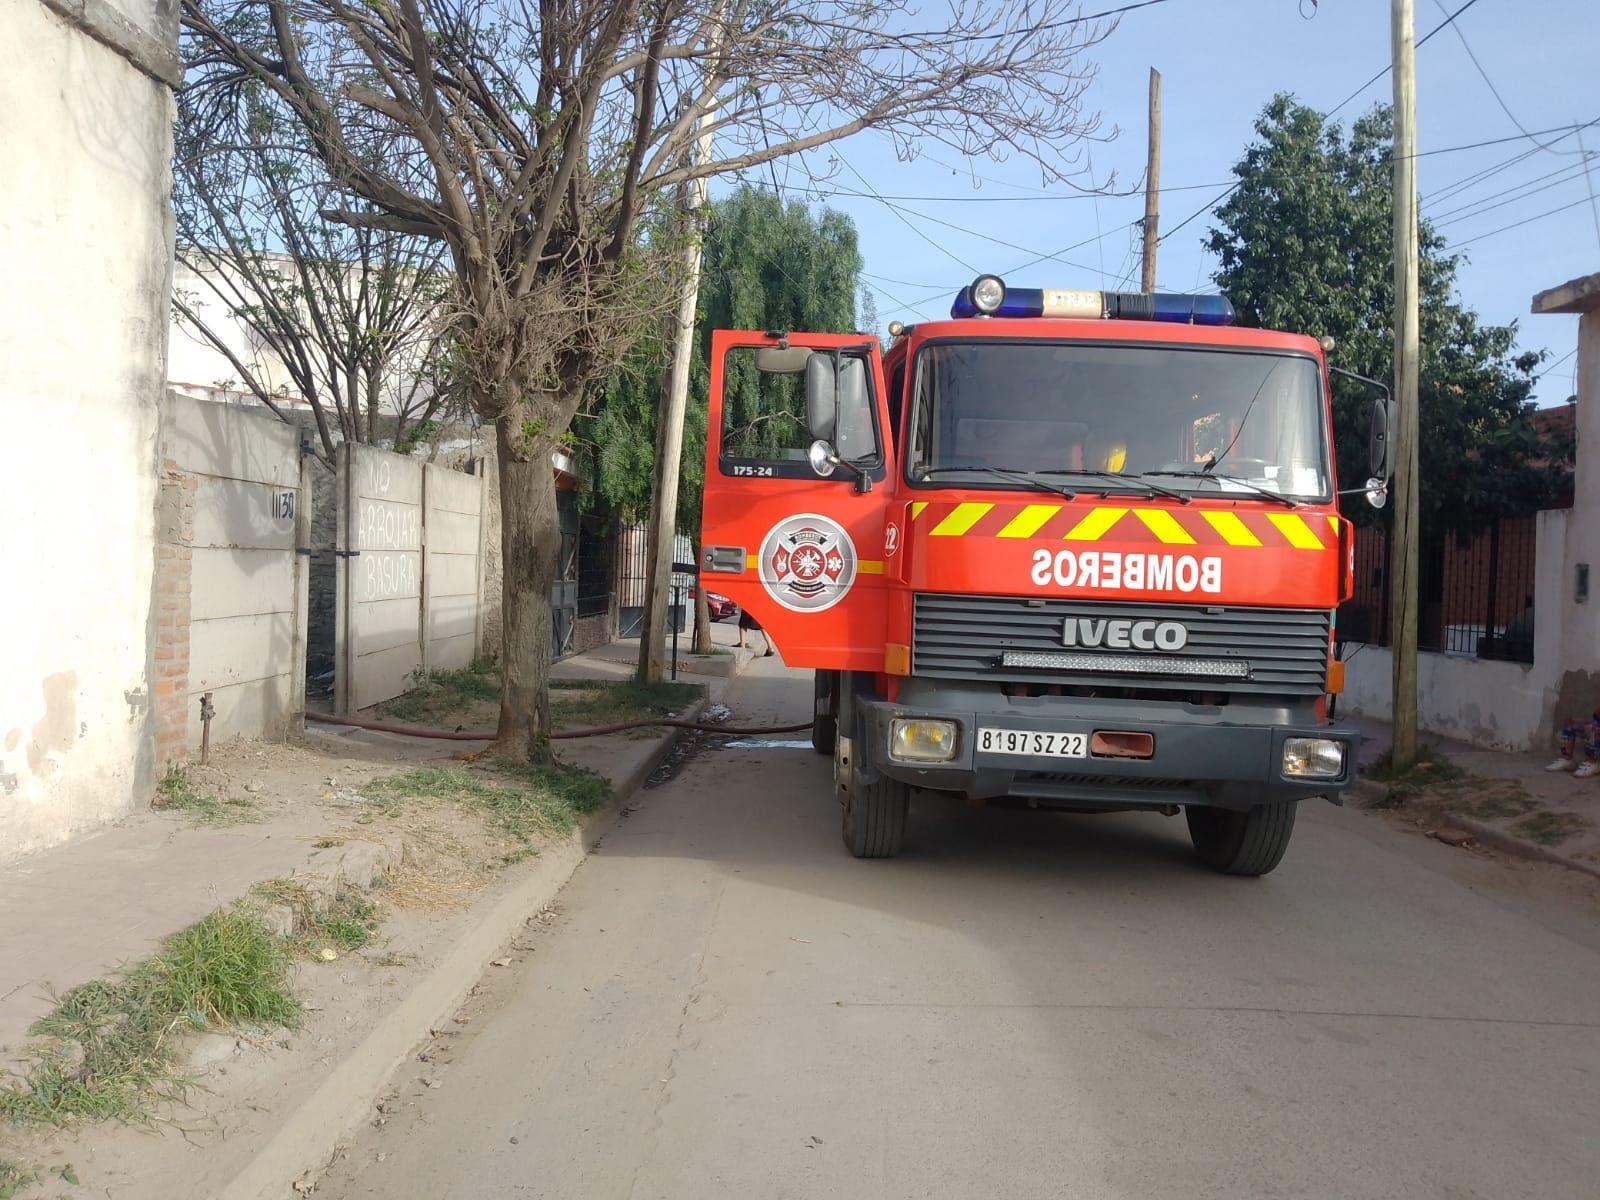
1554,365
1506,108
1467,211
1387,67
1518,224
838,191
1571,171
1419,154
1494,91
899,213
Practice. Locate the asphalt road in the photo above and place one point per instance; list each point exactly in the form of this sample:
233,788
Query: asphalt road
1024,1005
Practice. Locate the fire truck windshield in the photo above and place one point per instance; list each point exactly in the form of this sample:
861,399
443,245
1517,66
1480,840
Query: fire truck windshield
1203,421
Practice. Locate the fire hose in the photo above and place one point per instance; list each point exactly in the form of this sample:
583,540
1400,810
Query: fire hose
463,735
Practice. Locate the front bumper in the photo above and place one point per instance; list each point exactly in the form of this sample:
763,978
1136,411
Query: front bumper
1226,757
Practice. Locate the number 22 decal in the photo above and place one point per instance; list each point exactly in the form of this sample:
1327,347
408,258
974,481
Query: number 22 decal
891,540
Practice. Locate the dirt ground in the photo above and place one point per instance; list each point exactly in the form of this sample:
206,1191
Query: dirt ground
311,790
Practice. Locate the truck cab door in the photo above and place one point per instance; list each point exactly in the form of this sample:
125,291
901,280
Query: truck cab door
801,552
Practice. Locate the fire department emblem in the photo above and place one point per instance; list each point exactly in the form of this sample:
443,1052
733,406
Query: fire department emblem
807,563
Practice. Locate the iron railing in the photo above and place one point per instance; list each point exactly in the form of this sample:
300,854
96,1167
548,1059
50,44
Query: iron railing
1475,591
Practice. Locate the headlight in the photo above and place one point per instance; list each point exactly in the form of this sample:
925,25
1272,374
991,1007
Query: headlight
988,293
1313,758
920,739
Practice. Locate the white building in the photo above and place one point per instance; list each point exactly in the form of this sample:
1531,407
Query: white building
86,238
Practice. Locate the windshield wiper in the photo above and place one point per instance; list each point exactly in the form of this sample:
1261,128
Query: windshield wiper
1026,478
1136,481
1207,473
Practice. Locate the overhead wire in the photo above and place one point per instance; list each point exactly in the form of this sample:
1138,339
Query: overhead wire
1519,224
1512,117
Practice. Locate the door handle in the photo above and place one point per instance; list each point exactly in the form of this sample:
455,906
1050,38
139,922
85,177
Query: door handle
723,560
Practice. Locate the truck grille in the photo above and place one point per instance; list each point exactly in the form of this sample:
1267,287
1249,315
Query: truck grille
965,637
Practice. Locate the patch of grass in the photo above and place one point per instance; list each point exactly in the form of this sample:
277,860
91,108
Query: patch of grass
1549,828
347,921
605,703
176,792
14,1178
109,1043
444,693
1496,802
1430,767
520,799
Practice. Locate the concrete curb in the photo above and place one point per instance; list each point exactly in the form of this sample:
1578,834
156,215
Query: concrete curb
1498,839
308,1138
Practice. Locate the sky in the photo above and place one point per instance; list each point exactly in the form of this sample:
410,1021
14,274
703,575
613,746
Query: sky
1221,61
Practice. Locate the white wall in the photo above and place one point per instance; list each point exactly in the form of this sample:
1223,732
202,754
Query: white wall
85,239
1501,705
247,587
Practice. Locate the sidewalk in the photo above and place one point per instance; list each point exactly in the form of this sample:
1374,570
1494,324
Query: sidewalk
80,910
1502,799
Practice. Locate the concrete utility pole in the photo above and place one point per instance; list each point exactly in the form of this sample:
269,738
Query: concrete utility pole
1403,542
669,436
1152,186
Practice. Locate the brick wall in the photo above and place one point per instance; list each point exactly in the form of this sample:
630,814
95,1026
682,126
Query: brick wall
170,690
589,632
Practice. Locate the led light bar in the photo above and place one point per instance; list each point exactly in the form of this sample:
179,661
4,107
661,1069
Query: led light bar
1128,664
1090,305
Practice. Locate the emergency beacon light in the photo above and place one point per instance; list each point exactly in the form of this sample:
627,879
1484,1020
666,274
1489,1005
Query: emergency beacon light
988,296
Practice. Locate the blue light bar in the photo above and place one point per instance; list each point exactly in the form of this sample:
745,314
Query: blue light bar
1091,305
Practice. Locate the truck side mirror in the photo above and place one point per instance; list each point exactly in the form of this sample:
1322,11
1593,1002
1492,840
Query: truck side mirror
822,396
839,405
1378,441
852,423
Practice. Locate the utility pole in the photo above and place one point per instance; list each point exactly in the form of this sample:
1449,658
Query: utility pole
669,433
1152,186
1403,543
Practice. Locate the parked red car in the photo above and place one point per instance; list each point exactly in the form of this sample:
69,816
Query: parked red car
720,607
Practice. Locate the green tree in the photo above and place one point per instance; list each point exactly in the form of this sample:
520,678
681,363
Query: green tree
768,265
1305,243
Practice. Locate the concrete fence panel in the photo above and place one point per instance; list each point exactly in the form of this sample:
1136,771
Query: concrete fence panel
454,570
234,511
410,591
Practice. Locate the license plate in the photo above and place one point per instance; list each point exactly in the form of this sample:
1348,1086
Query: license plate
1033,742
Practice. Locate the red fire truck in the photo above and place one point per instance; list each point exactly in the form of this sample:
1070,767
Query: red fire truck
1071,550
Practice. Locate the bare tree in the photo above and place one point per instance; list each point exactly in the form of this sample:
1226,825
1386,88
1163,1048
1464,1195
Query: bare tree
531,137
358,317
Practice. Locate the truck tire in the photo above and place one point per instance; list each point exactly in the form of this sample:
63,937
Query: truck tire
825,714
1241,843
875,816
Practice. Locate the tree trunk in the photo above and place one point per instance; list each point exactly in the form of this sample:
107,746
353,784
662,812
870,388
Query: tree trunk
702,612
530,542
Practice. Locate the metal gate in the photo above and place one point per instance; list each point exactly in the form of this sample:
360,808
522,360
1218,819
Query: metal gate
564,591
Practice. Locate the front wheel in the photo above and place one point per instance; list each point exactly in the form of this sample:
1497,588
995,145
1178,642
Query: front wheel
875,816
1242,843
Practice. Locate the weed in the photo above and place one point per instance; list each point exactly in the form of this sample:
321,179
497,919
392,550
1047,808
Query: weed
1429,768
347,921
109,1051
614,703
14,1178
177,792
1549,828
1497,802
520,799
442,694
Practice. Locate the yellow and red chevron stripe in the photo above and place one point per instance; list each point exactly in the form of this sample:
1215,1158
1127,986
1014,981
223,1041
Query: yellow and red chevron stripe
1133,523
